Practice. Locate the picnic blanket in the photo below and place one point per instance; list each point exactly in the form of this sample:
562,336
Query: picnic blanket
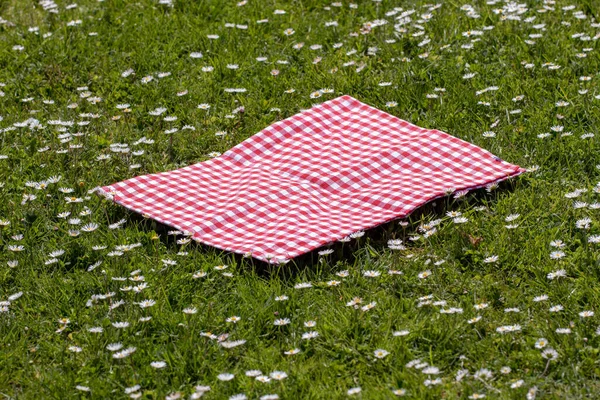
311,179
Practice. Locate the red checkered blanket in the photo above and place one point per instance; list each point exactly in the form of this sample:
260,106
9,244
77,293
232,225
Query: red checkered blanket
310,180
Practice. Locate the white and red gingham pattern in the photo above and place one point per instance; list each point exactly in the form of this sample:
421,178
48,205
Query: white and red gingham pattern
311,179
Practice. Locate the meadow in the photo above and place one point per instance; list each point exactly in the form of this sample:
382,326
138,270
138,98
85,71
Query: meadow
490,294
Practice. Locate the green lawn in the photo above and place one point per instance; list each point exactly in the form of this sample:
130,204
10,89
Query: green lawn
98,302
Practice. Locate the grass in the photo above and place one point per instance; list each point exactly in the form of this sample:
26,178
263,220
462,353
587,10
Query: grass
73,66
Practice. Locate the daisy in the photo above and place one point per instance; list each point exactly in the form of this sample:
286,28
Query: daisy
372,274
508,328
225,377
303,285
431,370
380,353
158,364
278,375
561,273
369,306
146,303
483,373
490,259
310,335
517,384
550,354
477,396
424,274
